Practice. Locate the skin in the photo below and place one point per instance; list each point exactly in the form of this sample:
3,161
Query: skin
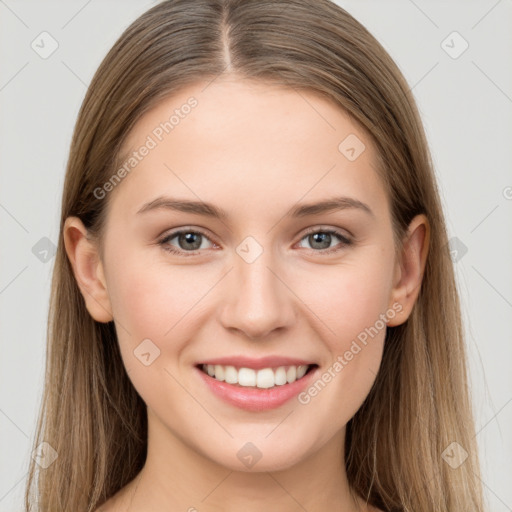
243,146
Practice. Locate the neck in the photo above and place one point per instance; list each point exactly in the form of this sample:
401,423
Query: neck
177,477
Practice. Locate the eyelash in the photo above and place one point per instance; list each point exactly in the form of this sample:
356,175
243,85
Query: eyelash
164,243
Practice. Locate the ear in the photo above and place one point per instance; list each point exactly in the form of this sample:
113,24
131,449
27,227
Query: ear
88,269
410,268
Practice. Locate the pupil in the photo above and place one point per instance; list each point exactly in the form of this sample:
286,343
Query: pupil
189,238
325,237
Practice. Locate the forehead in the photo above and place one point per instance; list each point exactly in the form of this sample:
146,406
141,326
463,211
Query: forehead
245,144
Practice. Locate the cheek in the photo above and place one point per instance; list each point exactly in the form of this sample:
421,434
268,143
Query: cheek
348,310
154,314
348,298
349,302
164,304
155,302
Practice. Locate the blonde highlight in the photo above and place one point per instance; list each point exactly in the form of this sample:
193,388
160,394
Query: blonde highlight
419,404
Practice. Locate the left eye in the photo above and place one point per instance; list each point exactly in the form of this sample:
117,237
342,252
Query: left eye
322,240
190,241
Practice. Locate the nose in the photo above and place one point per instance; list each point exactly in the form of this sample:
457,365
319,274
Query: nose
258,300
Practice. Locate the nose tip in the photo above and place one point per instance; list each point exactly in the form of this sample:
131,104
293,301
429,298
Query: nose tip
258,302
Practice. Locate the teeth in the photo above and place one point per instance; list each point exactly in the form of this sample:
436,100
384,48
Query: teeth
247,377
264,378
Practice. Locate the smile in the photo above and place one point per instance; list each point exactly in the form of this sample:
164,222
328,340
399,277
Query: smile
263,378
258,389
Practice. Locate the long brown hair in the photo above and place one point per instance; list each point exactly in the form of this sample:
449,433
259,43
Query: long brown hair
419,405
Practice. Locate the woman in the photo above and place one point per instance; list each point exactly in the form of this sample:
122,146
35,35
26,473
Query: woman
204,353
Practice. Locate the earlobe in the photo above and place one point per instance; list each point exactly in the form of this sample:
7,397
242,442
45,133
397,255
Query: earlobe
410,269
88,269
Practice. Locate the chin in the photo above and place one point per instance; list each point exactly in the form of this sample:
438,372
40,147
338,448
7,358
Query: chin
259,456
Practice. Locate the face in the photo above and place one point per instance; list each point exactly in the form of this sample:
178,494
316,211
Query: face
269,278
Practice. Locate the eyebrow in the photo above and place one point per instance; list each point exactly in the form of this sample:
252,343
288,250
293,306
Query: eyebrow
210,210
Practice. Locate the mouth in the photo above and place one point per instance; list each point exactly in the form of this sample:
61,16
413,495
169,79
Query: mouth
262,378
257,389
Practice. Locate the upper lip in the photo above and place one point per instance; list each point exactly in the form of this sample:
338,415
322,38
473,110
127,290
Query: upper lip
257,363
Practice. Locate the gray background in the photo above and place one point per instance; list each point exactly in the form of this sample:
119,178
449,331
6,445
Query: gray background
466,104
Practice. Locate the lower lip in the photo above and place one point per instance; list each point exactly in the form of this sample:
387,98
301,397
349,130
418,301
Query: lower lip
257,399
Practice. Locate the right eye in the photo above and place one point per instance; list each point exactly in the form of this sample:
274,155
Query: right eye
188,240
